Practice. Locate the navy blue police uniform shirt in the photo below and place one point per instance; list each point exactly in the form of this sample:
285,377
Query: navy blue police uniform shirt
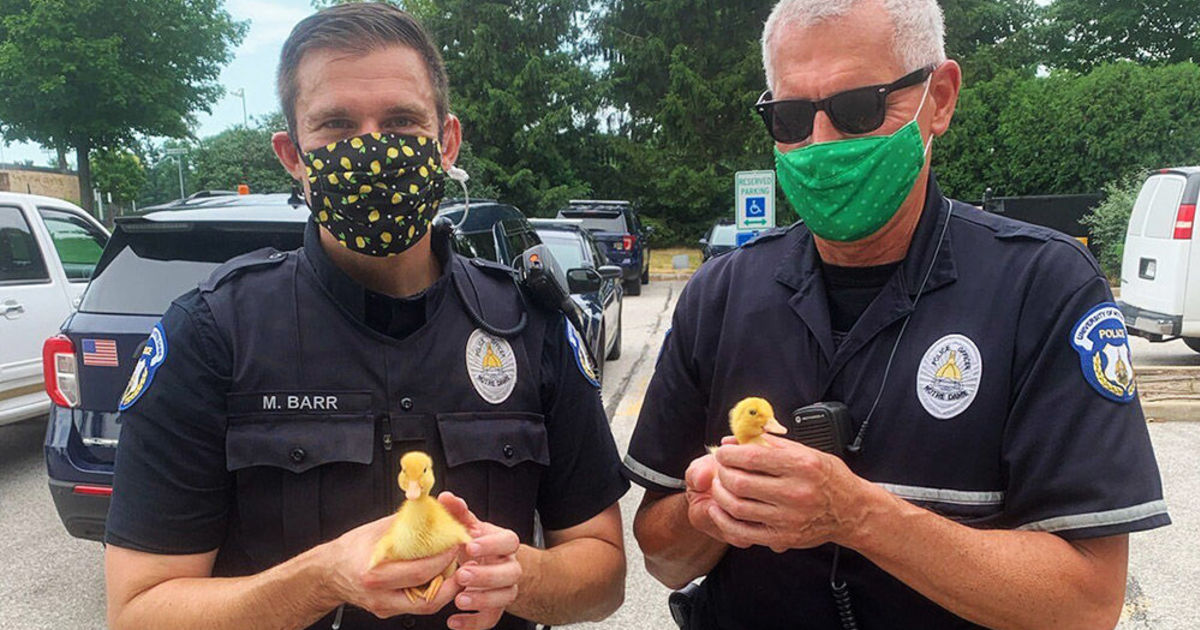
1011,402
193,475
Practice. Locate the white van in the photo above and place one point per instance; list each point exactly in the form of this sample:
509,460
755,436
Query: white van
48,249
1160,272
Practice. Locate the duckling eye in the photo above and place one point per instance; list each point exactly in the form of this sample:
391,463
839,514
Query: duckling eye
754,412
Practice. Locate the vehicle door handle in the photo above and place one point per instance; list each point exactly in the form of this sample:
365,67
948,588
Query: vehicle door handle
8,308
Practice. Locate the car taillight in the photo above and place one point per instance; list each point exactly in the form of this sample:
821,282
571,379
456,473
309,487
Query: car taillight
1184,220
59,371
628,241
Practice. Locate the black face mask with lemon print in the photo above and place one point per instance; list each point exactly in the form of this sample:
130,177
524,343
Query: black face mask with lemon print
377,193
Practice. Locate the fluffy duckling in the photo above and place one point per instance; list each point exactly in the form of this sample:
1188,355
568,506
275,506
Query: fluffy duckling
422,527
749,419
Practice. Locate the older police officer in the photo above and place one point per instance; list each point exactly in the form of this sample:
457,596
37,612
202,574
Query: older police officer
998,456
263,427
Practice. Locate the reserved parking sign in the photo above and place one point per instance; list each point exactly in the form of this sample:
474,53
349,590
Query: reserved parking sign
755,200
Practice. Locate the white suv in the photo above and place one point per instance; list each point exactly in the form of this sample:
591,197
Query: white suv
48,249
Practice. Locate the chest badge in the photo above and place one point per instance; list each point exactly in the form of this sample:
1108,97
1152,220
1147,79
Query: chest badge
949,375
492,366
1102,343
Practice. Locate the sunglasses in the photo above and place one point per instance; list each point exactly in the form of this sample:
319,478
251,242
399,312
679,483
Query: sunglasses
858,111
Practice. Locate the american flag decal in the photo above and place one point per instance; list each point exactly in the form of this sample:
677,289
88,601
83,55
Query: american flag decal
101,352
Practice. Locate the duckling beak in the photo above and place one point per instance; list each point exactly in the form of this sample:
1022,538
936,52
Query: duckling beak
413,491
773,426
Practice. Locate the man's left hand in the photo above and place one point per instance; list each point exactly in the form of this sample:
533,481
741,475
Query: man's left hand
786,496
488,570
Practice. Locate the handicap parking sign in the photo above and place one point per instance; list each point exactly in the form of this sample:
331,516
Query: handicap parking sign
756,207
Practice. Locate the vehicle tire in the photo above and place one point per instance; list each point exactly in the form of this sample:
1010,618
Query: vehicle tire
633,287
615,353
646,275
1193,343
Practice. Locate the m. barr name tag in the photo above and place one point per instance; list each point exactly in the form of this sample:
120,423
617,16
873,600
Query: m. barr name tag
304,402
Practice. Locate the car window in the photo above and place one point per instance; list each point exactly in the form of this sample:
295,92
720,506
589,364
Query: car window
21,261
724,235
598,221
1160,220
598,257
566,247
519,236
78,242
141,272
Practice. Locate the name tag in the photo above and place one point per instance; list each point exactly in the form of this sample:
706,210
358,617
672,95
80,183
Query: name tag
314,402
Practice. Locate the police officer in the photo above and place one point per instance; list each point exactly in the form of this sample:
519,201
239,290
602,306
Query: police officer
263,427
997,458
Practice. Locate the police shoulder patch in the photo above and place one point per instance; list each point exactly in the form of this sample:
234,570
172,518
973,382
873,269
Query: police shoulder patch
1102,342
153,355
583,358
492,366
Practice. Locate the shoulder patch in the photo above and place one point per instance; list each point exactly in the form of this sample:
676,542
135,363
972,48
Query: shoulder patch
258,258
1102,342
153,355
583,357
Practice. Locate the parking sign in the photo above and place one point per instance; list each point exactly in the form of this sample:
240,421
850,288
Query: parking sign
755,194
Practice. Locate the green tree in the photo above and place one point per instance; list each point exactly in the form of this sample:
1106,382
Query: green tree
242,156
989,37
119,173
92,73
1108,222
163,172
1081,34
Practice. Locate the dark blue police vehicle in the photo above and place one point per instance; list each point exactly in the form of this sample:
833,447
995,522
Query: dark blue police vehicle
150,260
617,228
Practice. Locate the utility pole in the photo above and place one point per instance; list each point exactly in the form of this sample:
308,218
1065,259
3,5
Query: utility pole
241,93
177,154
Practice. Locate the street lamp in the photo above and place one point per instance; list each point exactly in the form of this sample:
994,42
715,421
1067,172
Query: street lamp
241,93
177,153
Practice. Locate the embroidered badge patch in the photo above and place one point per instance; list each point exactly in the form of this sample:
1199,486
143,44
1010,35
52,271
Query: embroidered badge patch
948,376
583,358
153,355
1102,342
492,366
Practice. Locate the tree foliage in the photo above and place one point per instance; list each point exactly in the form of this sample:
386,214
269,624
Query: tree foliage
119,173
1108,222
1081,34
92,73
241,155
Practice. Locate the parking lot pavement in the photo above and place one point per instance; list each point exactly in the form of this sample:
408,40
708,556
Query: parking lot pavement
1168,354
51,581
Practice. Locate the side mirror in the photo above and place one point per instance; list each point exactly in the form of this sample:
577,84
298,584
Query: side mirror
610,272
584,280
703,242
648,229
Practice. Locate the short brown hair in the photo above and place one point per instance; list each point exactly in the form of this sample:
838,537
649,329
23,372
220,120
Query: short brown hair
360,28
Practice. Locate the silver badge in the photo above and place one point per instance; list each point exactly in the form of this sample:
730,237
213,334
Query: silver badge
492,366
948,376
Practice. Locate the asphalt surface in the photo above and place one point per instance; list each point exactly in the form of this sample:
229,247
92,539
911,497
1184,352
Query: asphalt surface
49,580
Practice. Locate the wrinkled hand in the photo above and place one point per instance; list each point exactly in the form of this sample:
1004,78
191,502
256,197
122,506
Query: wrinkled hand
785,497
488,569
379,590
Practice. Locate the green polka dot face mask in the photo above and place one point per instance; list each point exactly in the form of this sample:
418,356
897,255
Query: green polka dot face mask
377,193
846,190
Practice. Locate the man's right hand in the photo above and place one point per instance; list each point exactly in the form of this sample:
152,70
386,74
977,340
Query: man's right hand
378,590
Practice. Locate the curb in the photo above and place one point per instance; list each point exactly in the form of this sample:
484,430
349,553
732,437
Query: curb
1171,411
669,276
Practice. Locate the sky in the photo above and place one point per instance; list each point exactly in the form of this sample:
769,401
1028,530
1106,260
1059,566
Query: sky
252,69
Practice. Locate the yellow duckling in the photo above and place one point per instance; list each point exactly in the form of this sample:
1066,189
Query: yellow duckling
749,419
422,526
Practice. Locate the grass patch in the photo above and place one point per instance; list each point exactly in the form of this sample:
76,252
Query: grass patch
661,259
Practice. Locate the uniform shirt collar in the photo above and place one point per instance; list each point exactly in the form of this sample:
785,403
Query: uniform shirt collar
801,268
351,295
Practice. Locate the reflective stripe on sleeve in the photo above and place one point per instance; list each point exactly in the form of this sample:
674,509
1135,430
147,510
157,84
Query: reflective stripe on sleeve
651,475
1098,519
944,495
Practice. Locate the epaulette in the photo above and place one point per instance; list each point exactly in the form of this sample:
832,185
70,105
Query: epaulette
265,257
493,266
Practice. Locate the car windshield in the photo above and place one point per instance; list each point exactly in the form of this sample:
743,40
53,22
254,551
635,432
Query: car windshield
78,243
567,248
598,220
724,235
144,268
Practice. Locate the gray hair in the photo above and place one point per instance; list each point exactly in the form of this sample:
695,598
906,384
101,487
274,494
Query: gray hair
919,36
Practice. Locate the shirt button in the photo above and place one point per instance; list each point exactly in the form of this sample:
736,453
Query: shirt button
297,454
406,403
509,450
276,256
